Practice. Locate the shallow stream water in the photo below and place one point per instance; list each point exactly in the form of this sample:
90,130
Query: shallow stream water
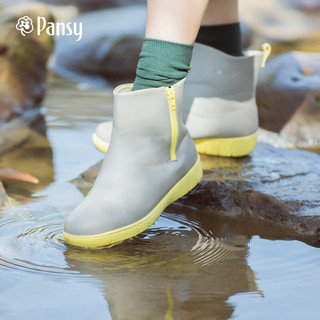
185,266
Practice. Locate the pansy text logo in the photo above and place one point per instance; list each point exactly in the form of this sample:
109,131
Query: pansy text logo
25,26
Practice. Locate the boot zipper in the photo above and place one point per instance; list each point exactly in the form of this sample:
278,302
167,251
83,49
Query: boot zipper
174,121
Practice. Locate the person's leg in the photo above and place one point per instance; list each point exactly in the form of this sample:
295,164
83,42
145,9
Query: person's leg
172,26
152,160
220,27
221,12
175,20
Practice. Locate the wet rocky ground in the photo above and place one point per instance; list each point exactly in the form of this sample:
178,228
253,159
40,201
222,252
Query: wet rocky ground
272,189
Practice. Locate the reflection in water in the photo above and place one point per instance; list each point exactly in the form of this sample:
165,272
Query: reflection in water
180,268
177,269
34,157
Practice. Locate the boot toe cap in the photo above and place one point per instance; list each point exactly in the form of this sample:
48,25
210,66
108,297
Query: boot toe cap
92,219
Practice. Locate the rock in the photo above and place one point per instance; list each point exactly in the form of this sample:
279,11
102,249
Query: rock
109,51
22,64
246,35
21,129
274,189
86,179
288,97
310,6
59,13
4,199
283,24
22,75
279,140
85,5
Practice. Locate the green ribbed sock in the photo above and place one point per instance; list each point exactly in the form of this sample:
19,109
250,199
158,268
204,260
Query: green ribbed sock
162,64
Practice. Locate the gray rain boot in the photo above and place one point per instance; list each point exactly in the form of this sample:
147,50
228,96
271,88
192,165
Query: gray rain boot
219,103
151,162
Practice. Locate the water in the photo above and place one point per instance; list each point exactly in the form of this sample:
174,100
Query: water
186,266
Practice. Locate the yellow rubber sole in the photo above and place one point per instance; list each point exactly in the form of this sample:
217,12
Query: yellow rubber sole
183,186
221,147
227,147
99,143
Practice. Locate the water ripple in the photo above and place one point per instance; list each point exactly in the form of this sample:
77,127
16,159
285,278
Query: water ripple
29,244
32,241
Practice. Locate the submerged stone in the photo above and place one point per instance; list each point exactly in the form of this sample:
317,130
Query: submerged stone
275,191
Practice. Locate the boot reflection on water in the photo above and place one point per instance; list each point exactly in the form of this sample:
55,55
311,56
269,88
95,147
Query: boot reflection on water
177,269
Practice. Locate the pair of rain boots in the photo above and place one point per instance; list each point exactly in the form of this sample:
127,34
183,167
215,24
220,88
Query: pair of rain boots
152,144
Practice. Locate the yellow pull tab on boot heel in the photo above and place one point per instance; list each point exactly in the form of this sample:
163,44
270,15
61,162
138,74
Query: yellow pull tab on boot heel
267,51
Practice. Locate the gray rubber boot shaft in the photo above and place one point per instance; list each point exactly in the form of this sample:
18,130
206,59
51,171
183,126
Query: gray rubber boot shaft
219,99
